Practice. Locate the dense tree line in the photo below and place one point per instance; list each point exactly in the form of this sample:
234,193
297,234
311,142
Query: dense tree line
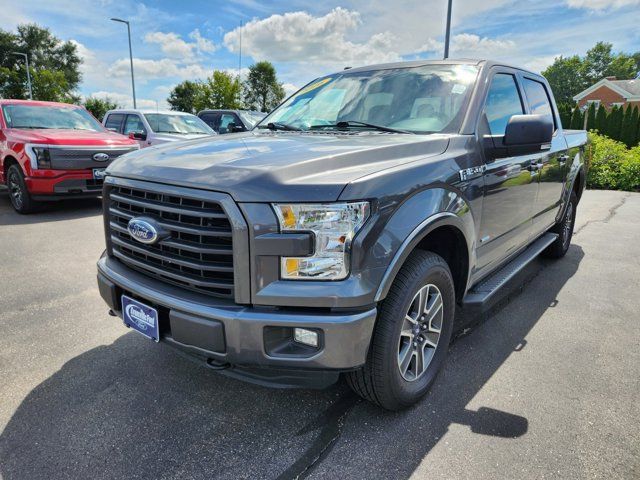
620,123
222,90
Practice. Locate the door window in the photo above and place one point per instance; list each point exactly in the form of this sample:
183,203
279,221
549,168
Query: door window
209,119
537,96
225,120
503,101
114,122
133,124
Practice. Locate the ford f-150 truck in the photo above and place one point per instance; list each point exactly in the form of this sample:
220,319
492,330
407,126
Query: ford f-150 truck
341,235
51,150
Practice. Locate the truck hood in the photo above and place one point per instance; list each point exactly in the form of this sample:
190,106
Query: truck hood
276,166
168,137
67,137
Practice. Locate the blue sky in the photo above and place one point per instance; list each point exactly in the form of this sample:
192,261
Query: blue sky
174,41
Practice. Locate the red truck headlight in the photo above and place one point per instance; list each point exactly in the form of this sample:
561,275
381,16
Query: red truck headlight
39,156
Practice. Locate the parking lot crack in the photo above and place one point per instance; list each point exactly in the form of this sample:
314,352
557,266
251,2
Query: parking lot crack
612,213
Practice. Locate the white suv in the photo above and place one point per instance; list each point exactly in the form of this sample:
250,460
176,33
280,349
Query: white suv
153,127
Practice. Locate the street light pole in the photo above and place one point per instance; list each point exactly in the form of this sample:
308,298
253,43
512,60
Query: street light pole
133,83
26,61
448,32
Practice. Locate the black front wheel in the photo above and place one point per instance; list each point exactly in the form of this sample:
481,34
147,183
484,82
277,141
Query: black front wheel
411,336
18,193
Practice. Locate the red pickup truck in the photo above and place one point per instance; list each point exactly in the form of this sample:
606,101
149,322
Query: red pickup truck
51,150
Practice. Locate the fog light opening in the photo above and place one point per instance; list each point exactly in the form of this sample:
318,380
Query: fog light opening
305,337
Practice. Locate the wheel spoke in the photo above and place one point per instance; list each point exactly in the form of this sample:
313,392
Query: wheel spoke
423,297
410,319
435,311
408,333
404,358
431,339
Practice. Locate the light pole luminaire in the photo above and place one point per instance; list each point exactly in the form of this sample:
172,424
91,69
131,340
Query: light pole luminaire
133,83
26,61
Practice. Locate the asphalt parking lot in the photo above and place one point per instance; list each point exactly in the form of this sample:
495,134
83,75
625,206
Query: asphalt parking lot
547,386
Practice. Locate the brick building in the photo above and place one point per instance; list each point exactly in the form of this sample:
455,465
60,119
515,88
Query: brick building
610,92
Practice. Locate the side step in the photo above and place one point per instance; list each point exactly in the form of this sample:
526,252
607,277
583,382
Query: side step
483,295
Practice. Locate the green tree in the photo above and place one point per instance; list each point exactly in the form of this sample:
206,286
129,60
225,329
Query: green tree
636,114
568,76
614,123
591,116
629,126
601,119
262,90
565,78
577,119
54,65
99,106
222,90
187,96
565,110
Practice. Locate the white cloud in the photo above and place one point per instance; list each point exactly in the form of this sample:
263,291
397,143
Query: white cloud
468,44
289,89
126,100
174,46
301,37
599,5
146,69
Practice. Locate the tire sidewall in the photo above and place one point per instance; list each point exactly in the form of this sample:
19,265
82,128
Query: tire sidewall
407,392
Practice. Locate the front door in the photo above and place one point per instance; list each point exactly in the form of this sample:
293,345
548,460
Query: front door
551,164
510,184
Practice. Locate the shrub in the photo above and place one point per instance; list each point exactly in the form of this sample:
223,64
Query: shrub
611,165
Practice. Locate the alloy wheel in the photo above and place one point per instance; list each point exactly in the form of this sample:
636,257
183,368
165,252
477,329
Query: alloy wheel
568,224
420,332
15,190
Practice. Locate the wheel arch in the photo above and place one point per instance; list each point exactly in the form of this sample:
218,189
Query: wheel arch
443,234
6,163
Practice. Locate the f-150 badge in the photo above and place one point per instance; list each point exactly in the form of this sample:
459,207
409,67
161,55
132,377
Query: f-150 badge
473,172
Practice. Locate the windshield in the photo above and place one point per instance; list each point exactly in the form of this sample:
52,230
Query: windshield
424,99
178,124
251,118
38,116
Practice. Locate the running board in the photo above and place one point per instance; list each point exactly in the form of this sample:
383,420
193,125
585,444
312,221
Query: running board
483,295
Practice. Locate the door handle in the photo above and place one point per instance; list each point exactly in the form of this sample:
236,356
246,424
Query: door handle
562,159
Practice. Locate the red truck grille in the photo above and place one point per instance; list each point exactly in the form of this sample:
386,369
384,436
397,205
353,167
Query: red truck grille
197,253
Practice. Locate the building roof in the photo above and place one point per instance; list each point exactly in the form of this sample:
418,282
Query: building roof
628,89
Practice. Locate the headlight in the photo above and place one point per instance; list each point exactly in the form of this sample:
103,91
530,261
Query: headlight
39,156
334,226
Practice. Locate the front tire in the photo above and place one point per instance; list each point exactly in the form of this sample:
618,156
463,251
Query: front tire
411,336
564,229
21,200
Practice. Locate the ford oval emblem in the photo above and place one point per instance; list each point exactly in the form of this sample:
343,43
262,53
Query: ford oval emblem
143,230
101,157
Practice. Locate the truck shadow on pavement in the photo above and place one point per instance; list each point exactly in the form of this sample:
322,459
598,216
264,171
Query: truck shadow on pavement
65,209
134,409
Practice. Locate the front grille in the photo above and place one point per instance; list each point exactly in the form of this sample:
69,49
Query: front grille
70,158
198,253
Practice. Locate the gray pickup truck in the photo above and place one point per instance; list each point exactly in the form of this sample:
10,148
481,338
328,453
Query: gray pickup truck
341,235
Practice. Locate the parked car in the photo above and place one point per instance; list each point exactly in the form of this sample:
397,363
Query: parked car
343,233
52,150
230,121
153,127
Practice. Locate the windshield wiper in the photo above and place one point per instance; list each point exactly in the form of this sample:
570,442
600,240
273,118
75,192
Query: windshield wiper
280,126
356,123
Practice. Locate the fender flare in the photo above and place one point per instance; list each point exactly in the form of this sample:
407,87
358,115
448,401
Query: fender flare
412,240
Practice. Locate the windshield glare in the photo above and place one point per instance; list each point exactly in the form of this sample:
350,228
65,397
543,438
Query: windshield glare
424,99
250,118
37,117
178,124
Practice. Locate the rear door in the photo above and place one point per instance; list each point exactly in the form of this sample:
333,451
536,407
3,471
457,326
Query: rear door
510,186
550,164
212,119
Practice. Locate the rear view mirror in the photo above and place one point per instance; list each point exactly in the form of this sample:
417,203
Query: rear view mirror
137,135
524,134
528,130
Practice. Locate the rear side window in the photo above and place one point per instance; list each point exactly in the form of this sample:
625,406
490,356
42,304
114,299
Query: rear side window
503,101
209,119
537,96
114,122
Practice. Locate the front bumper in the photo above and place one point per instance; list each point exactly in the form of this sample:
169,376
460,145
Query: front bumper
245,341
64,184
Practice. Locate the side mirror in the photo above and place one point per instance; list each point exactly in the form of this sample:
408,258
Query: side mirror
137,135
524,134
